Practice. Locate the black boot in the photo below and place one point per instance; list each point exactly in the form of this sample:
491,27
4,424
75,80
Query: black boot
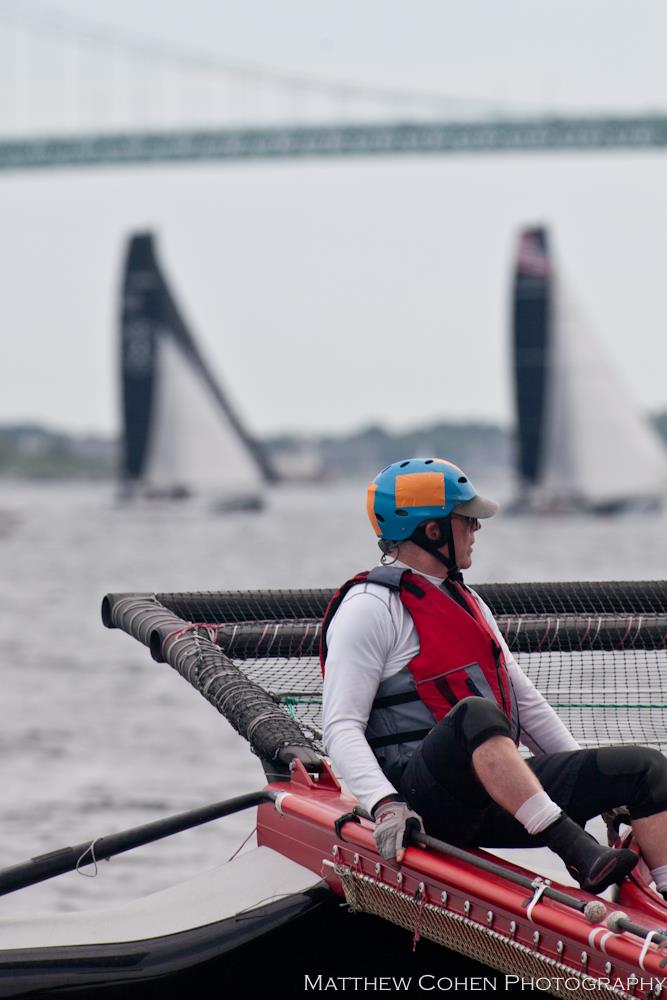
595,867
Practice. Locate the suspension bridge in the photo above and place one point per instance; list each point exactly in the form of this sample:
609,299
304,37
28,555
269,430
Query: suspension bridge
75,93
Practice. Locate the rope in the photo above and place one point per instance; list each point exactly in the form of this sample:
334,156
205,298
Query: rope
290,702
420,895
177,633
254,830
647,941
89,850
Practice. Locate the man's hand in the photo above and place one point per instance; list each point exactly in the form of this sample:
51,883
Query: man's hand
394,822
613,818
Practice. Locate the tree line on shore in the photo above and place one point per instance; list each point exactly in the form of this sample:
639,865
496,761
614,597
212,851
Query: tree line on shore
34,451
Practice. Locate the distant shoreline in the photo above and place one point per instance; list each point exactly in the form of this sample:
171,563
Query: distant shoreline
36,452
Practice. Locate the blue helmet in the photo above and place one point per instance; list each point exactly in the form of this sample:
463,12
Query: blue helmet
408,493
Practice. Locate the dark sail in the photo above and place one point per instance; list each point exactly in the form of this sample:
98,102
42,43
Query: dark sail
140,310
531,340
149,318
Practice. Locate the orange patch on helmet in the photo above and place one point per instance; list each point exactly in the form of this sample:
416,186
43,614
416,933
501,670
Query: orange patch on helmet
370,507
420,489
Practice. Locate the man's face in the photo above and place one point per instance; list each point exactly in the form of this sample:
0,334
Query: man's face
463,530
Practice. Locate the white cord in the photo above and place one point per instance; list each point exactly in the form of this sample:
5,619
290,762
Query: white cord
93,860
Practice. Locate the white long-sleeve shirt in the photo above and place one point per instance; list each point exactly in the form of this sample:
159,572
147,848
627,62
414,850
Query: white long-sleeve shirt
370,638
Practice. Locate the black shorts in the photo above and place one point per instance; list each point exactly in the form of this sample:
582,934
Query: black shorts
439,783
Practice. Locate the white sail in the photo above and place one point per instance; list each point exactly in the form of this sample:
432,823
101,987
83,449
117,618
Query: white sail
583,443
598,448
181,435
193,445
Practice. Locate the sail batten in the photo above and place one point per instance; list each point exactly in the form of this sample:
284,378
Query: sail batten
181,435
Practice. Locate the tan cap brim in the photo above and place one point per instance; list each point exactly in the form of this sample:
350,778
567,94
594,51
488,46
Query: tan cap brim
477,507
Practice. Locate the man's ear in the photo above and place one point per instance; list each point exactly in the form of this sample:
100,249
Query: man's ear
432,531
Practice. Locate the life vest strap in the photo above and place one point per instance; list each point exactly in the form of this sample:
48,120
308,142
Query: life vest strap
409,737
395,699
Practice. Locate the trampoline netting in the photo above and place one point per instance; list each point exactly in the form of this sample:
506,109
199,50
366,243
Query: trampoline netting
595,650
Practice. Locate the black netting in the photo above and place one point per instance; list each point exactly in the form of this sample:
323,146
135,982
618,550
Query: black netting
575,598
248,606
595,650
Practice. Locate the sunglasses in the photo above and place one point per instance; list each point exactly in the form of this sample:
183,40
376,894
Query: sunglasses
471,522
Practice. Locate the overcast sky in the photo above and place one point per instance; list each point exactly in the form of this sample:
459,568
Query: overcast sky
328,294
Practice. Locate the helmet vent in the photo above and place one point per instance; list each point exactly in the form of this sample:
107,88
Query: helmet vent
462,479
379,517
403,464
429,461
401,513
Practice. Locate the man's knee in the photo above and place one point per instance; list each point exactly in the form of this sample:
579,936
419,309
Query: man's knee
476,720
646,768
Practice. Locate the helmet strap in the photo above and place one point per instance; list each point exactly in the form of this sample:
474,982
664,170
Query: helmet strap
433,546
386,559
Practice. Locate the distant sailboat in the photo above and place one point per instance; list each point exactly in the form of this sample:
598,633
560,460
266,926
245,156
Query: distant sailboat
180,434
582,444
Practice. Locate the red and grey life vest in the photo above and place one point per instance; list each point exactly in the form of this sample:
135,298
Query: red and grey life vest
459,657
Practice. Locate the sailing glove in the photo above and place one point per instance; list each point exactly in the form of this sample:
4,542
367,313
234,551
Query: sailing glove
614,818
394,822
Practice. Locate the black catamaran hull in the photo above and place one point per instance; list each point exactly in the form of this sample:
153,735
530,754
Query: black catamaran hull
34,971
271,949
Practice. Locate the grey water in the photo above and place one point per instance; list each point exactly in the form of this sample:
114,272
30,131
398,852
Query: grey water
96,737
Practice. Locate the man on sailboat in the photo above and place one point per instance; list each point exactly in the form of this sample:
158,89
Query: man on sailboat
422,701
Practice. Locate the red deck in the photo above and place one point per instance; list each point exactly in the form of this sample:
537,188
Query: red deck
303,829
